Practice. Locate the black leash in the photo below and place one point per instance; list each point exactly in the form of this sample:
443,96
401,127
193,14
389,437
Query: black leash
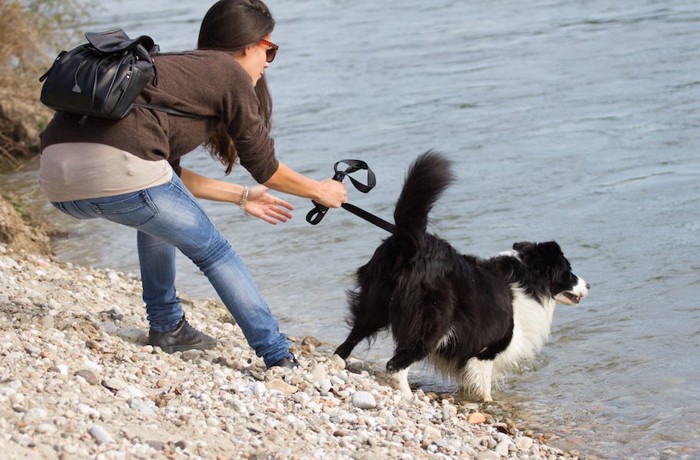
369,217
319,211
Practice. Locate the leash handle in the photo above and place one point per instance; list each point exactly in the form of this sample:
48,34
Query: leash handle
319,211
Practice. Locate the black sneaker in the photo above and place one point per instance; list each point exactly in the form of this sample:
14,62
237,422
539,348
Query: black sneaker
289,363
184,337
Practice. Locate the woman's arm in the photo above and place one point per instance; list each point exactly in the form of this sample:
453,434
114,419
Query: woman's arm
329,193
210,189
258,202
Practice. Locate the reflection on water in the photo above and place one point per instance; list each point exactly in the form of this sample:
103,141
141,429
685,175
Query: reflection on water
574,121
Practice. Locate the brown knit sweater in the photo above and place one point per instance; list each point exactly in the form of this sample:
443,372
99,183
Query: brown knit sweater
206,83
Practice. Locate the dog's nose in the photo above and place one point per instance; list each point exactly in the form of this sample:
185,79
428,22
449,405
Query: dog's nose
588,286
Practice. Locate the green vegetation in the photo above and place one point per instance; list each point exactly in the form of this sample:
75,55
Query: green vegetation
19,207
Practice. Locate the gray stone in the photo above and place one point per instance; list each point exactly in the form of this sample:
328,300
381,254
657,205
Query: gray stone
143,407
100,434
113,384
132,334
89,376
364,400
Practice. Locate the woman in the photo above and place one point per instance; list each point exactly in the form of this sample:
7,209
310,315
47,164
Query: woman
129,172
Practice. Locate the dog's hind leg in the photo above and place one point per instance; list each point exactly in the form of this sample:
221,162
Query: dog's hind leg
369,316
364,327
361,330
477,376
356,336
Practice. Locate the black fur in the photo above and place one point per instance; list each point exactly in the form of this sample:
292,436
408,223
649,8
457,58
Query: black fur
441,304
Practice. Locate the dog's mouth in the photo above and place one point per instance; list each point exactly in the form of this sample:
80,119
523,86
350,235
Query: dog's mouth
568,298
573,297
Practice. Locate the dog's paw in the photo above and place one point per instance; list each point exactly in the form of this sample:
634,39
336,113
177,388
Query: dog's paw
399,381
403,388
342,352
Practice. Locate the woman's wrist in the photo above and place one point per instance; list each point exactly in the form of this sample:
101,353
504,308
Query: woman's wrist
317,191
244,198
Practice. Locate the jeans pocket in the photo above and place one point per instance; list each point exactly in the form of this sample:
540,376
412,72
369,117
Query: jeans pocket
133,210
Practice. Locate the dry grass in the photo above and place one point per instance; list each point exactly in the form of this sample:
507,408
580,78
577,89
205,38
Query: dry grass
20,50
30,35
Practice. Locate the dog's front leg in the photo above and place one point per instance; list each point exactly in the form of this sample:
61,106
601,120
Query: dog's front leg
404,357
398,366
477,378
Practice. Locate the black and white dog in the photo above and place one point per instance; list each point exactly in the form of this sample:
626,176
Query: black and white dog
473,318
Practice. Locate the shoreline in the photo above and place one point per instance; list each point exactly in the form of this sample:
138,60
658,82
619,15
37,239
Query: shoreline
78,381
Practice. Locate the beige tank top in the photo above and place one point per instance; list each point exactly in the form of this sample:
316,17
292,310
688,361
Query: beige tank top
77,171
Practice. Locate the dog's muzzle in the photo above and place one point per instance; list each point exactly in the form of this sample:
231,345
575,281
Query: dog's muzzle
574,296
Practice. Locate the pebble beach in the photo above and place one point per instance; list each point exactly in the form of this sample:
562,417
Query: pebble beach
77,381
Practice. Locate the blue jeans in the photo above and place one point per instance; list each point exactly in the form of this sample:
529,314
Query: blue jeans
167,218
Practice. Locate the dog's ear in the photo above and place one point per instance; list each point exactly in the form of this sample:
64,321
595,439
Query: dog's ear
539,256
522,246
552,261
551,248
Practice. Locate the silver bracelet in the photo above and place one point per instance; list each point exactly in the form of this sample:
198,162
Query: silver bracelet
244,199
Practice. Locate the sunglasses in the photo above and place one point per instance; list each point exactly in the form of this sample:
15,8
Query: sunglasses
271,50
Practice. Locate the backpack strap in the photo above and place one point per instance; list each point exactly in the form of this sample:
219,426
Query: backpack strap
117,41
169,110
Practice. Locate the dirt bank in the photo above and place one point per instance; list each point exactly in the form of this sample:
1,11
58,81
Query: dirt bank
19,231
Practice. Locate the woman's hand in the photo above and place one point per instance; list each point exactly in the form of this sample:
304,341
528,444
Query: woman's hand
267,207
332,193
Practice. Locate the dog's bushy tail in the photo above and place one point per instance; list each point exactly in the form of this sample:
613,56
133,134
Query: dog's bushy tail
428,176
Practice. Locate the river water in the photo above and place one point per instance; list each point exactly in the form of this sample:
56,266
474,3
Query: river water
568,120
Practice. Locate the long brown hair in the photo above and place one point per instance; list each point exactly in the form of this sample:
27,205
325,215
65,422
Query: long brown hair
231,25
